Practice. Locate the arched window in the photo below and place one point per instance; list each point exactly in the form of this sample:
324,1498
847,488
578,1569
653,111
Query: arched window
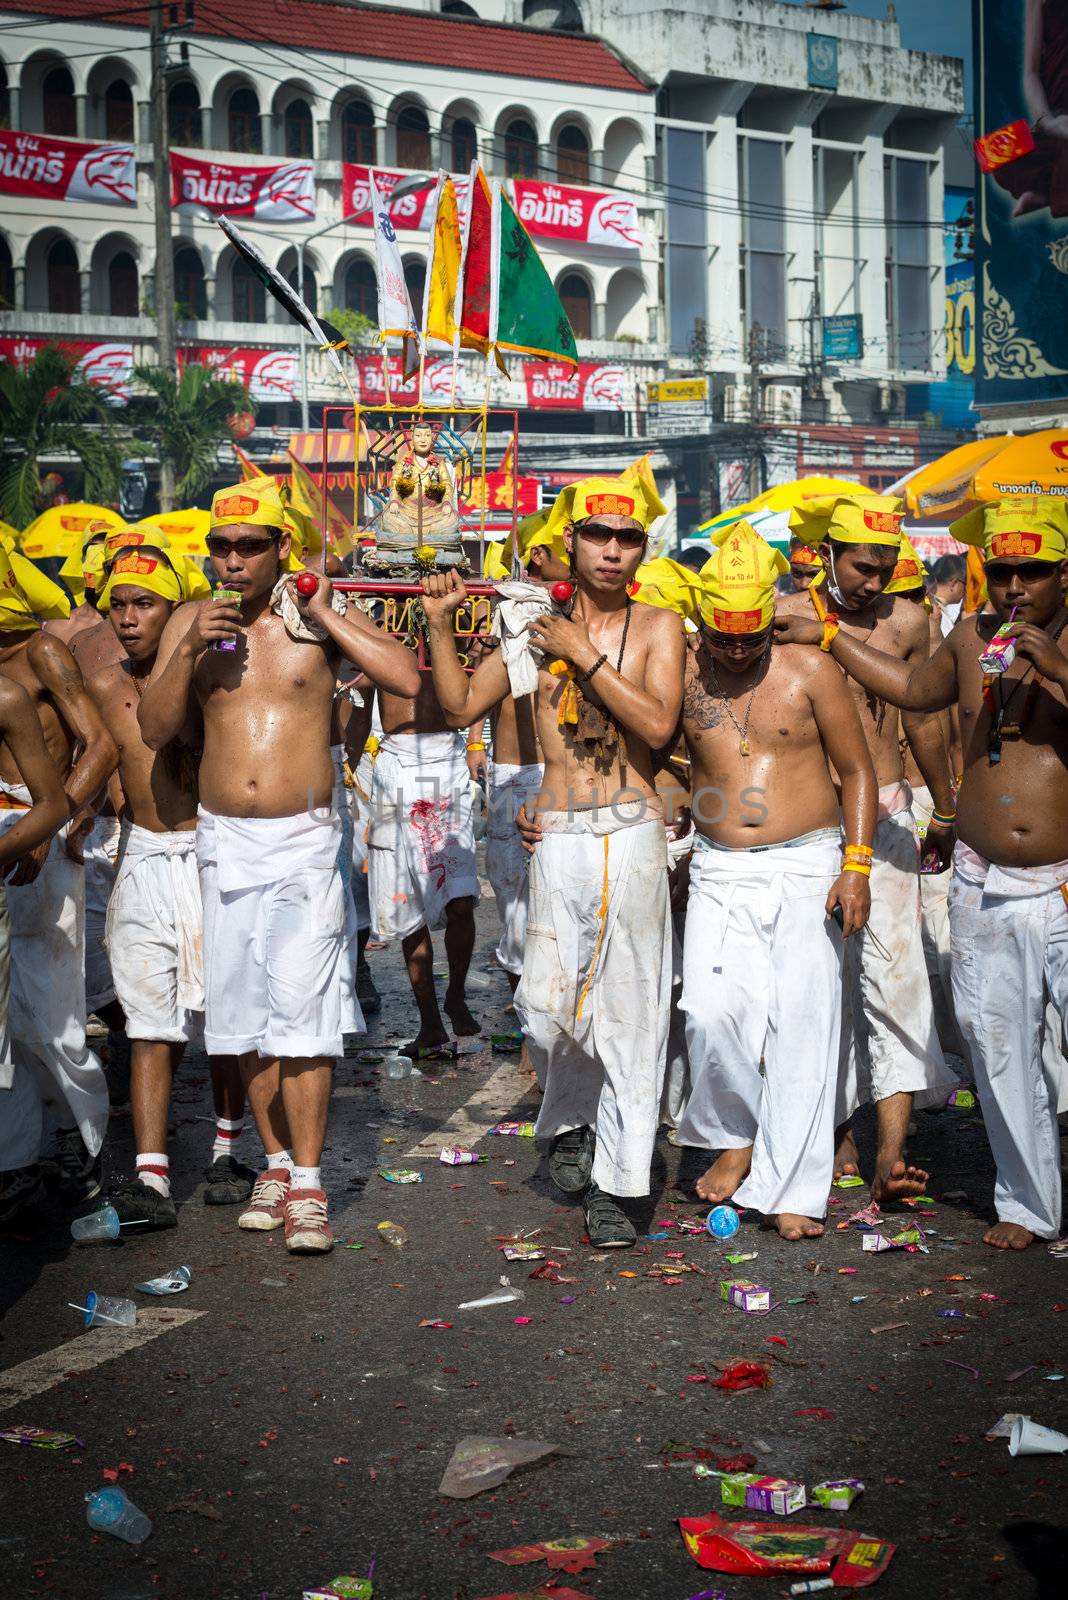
520,149
574,294
415,278
5,99
297,128
7,277
190,290
310,292
57,104
122,285
119,111
64,288
361,288
249,295
244,122
464,144
413,139
358,133
183,115
573,155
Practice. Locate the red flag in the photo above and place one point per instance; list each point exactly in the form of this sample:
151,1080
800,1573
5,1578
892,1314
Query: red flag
1006,144
474,318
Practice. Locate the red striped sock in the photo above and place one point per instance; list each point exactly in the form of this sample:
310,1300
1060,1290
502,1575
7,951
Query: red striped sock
226,1136
154,1170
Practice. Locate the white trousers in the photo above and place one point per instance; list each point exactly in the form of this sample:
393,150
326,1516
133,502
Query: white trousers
762,977
360,804
1010,955
510,787
101,852
47,1009
595,995
422,847
889,1041
155,935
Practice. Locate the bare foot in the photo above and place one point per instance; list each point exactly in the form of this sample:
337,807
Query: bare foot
846,1154
724,1175
425,1039
1008,1236
456,1009
897,1182
793,1227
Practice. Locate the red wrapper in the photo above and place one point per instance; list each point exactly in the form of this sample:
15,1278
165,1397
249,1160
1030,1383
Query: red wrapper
1006,144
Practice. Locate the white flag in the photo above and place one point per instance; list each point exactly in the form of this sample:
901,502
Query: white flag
396,319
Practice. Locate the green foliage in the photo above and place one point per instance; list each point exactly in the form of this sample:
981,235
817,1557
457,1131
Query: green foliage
357,329
182,421
46,410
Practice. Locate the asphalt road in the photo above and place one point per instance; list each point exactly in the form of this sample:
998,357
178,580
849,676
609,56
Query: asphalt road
296,1422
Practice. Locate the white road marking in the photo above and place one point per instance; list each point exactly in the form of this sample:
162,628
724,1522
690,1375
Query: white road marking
89,1350
500,1095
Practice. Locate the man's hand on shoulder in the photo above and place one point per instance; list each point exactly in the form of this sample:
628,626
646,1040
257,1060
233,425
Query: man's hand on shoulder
794,628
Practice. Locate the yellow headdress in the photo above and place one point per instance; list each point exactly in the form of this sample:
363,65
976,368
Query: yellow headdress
305,538
257,501
172,577
738,581
849,519
909,572
531,533
1034,527
666,583
81,570
631,495
27,596
494,566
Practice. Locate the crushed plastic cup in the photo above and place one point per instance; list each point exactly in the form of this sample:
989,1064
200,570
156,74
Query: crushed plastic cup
172,1283
104,1308
394,1234
723,1222
503,1296
102,1224
1032,1439
112,1511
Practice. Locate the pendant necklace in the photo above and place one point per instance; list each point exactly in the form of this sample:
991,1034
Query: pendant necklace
741,728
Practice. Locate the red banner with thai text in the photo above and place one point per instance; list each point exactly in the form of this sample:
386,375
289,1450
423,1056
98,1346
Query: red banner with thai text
269,194
108,364
580,216
269,375
39,167
557,386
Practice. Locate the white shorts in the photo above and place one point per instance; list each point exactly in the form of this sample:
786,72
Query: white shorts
101,851
422,847
510,786
155,936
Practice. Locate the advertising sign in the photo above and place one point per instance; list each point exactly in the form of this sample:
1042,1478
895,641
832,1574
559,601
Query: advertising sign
39,167
269,194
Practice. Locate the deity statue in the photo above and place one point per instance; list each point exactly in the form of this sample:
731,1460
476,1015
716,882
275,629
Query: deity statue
421,512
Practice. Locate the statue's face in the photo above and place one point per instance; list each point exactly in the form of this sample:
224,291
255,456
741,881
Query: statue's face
422,438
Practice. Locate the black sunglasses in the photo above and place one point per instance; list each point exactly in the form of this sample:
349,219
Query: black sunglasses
627,538
1026,571
244,547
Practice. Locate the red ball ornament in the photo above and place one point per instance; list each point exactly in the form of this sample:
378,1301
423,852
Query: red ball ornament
307,584
561,592
240,424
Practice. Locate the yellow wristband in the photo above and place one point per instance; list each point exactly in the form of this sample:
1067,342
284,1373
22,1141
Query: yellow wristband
830,629
858,850
857,866
476,744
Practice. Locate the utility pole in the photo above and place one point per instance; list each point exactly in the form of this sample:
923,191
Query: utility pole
757,351
166,344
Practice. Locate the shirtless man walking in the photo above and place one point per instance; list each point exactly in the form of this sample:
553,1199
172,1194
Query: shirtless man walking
890,1048
1008,905
268,834
762,975
595,993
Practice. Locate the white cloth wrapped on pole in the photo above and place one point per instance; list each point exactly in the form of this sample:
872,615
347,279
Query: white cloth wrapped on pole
421,843
510,787
155,935
519,604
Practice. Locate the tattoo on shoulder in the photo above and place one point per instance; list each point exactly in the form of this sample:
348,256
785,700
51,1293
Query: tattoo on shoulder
698,705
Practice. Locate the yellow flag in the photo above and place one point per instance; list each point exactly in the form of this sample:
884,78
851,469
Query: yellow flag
317,504
444,273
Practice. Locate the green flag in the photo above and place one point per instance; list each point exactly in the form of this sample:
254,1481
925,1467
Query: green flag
529,315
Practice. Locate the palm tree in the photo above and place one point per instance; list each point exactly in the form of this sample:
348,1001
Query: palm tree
47,410
182,420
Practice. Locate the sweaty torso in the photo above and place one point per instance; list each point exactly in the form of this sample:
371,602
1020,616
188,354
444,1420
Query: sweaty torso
267,715
515,736
160,786
780,790
1015,812
16,663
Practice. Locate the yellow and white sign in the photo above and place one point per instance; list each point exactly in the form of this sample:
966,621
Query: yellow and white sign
678,391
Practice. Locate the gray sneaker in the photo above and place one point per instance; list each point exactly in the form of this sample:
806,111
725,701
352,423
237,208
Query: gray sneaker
571,1160
606,1225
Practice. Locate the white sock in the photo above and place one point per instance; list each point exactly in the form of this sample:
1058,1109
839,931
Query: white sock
279,1158
154,1171
226,1137
306,1178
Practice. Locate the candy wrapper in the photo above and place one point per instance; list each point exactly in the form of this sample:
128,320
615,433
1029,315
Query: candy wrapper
515,1130
781,1496
523,1250
744,1375
837,1494
453,1156
751,1548
746,1296
400,1174
1000,653
175,1282
908,1239
40,1438
345,1587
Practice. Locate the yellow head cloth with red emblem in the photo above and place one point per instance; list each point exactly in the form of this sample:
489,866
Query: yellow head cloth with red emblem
1029,527
27,596
849,519
909,572
149,566
257,501
666,583
803,555
81,570
631,495
738,581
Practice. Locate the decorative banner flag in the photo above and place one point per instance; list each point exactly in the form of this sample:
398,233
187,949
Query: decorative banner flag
581,216
473,303
270,194
1006,144
443,267
526,314
308,497
396,319
249,469
269,375
43,168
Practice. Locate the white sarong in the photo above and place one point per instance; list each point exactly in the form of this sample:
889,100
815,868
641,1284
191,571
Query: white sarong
46,1016
595,996
20,1103
360,802
421,842
1009,928
275,953
341,805
155,935
101,851
677,1073
510,787
934,930
889,1040
762,978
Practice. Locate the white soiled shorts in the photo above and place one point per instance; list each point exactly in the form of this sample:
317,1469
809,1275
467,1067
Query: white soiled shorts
155,935
421,838
510,786
276,946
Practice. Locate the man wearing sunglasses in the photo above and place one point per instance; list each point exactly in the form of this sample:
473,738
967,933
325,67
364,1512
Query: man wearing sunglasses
268,833
594,998
1008,905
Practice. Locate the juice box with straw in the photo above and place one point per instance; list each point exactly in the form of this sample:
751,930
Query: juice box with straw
230,597
1000,653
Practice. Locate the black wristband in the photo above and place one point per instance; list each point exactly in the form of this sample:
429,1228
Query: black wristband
586,676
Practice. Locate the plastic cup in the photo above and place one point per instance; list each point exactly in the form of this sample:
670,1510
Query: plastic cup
112,1511
103,1224
104,1308
723,1222
1032,1439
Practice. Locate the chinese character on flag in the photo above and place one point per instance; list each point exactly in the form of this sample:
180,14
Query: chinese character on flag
1006,144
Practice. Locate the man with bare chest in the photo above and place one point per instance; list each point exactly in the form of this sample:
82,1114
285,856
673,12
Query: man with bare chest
268,834
762,975
890,1047
47,899
595,994
1008,903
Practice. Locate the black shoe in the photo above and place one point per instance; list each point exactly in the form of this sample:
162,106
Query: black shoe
229,1183
606,1225
117,1067
77,1172
21,1190
366,993
136,1202
571,1160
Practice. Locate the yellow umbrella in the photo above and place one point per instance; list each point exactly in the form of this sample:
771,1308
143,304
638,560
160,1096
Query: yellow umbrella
983,472
782,497
57,530
186,530
937,488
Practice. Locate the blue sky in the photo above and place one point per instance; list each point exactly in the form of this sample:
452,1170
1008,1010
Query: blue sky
944,26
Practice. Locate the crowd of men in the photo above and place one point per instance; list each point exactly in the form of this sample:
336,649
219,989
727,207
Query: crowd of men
716,909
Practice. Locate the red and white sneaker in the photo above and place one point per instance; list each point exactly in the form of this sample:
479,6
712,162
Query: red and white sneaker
306,1226
266,1208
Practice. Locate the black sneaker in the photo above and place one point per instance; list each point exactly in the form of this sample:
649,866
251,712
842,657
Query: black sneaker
366,993
229,1183
606,1225
571,1160
136,1202
21,1190
117,1067
77,1172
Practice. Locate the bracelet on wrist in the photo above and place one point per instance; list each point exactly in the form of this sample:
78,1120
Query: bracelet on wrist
830,629
476,744
858,866
946,819
858,850
588,674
